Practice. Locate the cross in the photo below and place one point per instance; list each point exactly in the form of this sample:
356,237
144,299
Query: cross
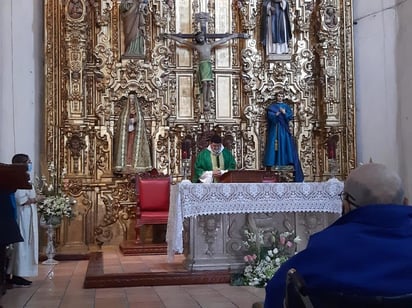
204,50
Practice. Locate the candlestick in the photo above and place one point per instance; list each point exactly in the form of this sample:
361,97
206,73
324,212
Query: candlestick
333,167
186,147
331,153
185,167
331,145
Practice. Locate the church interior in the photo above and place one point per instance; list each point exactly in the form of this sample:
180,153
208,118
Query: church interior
104,90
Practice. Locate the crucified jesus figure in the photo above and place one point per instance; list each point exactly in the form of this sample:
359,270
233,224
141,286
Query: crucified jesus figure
204,50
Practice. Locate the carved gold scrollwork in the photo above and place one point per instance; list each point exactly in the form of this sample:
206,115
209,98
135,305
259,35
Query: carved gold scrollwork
328,49
76,145
75,9
88,76
120,206
248,14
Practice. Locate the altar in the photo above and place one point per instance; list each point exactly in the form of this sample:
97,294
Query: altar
207,221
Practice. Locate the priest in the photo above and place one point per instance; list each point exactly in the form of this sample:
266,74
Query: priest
212,162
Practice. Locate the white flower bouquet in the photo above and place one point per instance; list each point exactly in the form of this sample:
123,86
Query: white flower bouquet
57,206
54,204
266,253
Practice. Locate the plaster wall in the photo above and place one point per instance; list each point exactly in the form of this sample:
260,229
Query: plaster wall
21,79
403,64
382,40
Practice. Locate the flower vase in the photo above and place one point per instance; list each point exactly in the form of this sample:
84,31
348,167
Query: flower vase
50,224
333,167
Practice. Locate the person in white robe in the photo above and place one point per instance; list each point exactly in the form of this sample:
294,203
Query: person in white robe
25,255
25,258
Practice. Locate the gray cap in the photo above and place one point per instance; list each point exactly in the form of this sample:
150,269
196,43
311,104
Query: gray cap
374,184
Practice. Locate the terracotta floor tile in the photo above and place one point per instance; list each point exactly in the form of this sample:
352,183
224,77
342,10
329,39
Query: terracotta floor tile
61,286
110,303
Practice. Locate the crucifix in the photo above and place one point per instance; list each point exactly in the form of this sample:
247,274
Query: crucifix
204,49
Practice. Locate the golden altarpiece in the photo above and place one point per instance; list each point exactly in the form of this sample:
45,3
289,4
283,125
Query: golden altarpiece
89,76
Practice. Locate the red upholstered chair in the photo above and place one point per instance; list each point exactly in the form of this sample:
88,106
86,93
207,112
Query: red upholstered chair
153,199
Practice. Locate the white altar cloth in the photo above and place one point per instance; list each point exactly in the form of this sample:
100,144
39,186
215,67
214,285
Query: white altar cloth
190,200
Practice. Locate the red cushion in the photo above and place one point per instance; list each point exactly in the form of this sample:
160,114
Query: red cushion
147,218
154,194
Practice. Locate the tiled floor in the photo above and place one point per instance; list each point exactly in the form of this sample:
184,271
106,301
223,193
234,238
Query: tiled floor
62,286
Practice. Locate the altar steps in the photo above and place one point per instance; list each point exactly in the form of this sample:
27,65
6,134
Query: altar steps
106,271
131,248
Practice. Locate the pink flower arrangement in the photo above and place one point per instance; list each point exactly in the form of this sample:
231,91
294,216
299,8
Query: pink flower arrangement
249,258
265,254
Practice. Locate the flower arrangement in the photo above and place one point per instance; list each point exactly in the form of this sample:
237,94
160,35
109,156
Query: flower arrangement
54,204
265,254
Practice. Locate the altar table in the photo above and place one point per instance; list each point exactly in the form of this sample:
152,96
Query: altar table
218,214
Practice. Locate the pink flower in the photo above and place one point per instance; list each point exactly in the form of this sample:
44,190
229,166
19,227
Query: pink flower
282,240
249,258
289,244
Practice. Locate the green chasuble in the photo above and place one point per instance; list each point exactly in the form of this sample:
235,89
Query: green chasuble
206,161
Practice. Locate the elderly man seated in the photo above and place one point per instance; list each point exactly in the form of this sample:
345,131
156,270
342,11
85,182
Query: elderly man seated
365,252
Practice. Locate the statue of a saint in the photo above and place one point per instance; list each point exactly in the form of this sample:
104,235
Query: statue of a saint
281,149
132,151
204,50
276,31
134,22
331,20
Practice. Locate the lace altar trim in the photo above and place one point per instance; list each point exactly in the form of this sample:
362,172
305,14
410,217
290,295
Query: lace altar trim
237,198
190,200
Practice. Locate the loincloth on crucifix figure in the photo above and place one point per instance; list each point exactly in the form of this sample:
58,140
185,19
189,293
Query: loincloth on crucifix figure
204,49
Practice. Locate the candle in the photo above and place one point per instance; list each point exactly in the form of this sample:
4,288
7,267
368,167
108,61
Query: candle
332,141
331,152
186,146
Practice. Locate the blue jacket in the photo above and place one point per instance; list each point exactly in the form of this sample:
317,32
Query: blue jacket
9,230
367,251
